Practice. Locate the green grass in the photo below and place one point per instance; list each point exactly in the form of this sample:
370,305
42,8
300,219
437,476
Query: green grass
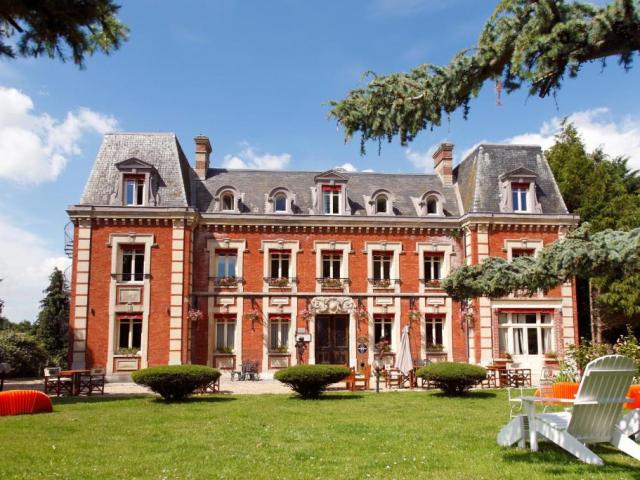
390,435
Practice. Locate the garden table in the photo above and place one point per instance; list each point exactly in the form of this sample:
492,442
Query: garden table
75,375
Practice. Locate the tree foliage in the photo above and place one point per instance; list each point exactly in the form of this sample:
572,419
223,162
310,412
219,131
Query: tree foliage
610,253
63,29
525,42
52,325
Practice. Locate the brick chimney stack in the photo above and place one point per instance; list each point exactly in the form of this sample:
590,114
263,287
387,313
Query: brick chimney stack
443,163
203,150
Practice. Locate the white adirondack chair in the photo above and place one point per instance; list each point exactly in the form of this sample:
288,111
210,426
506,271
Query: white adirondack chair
595,417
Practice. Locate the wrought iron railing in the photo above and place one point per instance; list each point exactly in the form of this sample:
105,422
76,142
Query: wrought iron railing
384,282
226,282
280,282
329,282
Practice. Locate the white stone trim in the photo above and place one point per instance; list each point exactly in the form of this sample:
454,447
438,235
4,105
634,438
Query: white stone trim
115,241
511,244
83,259
344,247
427,247
383,246
267,246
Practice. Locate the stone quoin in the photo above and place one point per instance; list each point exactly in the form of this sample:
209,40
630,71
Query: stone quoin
174,263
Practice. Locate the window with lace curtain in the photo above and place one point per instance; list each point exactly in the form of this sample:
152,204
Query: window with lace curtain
525,333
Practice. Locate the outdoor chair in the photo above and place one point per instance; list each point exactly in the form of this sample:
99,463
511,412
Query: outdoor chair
361,380
93,381
54,382
349,381
595,417
211,387
395,378
250,370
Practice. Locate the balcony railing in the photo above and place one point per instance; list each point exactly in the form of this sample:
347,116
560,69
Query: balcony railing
384,282
329,282
280,282
226,282
130,277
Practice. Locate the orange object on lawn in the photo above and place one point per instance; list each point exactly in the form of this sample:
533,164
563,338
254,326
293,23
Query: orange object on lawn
634,392
18,402
565,390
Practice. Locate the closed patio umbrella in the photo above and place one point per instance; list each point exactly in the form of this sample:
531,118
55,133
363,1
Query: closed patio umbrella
404,362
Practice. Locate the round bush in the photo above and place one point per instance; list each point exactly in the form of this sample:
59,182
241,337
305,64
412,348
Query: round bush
175,382
309,381
23,352
451,377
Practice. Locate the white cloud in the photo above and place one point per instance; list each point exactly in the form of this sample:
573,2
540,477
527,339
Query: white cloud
35,148
423,161
25,265
347,167
248,158
597,128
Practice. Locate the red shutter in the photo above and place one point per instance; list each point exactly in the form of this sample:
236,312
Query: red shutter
331,188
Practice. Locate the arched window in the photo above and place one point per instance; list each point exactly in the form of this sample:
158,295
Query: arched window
382,204
280,202
432,206
227,202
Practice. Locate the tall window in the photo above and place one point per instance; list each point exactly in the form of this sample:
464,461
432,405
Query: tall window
280,265
132,263
382,204
225,334
279,333
226,263
382,265
382,329
280,202
519,193
331,265
525,333
228,202
331,199
134,190
522,252
433,266
435,327
432,206
129,333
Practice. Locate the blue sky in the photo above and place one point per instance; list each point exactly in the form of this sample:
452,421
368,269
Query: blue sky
255,77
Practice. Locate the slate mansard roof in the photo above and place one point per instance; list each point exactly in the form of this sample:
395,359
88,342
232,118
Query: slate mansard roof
475,190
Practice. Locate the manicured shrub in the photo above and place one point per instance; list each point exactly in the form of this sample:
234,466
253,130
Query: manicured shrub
451,377
175,382
309,381
23,352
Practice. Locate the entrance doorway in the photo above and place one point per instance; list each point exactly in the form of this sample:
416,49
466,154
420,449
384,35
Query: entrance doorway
332,339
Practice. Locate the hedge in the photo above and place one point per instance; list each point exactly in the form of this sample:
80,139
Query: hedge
23,352
175,382
309,381
451,377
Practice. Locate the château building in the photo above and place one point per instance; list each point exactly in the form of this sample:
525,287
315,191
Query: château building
174,263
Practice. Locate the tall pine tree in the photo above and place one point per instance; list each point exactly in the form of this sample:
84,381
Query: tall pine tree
52,326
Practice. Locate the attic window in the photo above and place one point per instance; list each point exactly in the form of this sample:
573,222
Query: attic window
134,190
432,206
280,202
382,204
331,199
519,194
227,202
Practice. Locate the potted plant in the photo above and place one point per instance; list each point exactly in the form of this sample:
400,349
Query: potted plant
362,314
226,350
280,282
331,282
551,358
432,283
130,352
414,315
195,315
227,281
435,347
381,282
281,349
306,314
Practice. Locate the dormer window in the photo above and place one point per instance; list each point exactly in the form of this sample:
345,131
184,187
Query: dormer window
227,201
519,193
280,203
382,204
432,206
134,189
331,199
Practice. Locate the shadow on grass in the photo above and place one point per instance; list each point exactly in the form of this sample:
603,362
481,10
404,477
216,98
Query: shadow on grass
554,457
468,395
214,398
113,397
328,397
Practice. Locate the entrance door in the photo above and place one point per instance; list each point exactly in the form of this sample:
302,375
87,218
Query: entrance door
332,339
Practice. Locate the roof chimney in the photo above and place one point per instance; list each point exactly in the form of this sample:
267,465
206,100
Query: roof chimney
203,150
443,163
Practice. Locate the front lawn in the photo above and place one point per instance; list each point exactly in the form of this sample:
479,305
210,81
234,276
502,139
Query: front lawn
390,435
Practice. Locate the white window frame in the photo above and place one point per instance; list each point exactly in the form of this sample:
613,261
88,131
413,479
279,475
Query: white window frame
139,188
429,258
283,196
224,195
219,256
281,340
226,321
510,326
280,257
385,260
131,322
334,197
139,252
334,257
431,323
382,197
383,320
522,193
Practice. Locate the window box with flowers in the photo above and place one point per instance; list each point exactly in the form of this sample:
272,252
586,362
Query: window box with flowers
332,283
381,282
226,282
432,284
279,282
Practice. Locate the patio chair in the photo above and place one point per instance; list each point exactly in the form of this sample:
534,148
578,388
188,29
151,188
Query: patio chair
211,387
93,381
54,382
595,417
349,381
361,380
250,370
395,378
